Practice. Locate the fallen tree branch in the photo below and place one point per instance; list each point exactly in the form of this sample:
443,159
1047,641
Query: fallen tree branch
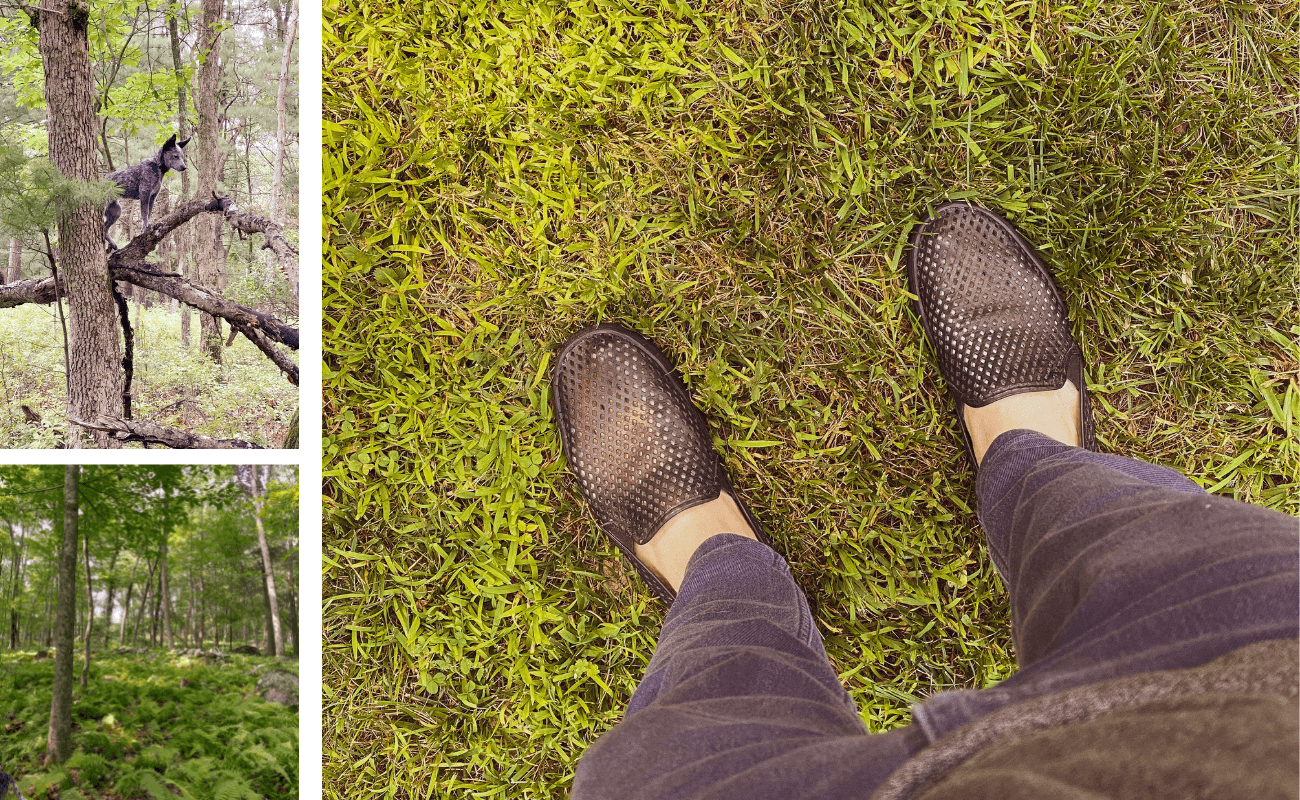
129,264
136,431
262,330
32,290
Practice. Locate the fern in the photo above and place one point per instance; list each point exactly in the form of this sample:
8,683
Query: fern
91,767
153,784
234,787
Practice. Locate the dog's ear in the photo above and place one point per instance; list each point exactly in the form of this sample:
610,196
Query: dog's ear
182,144
170,143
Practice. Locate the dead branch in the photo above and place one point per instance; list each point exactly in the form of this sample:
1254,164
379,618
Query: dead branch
136,431
275,241
129,264
262,330
32,290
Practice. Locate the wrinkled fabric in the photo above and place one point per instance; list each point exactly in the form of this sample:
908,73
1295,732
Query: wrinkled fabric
1114,568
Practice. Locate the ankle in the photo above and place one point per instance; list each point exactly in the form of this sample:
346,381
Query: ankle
668,553
1054,414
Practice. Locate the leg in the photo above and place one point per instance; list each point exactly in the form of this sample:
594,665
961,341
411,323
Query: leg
1117,567
146,208
740,699
111,212
1114,567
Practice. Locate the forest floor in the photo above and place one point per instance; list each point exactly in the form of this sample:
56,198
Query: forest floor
246,397
737,181
151,725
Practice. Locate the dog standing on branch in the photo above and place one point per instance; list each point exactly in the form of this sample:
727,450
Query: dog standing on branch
142,182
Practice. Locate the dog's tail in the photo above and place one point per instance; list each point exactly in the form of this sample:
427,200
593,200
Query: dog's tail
8,784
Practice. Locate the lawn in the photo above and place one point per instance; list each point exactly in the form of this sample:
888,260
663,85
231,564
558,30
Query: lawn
737,181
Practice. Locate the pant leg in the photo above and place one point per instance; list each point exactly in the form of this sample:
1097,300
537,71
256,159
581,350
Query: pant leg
1116,567
740,699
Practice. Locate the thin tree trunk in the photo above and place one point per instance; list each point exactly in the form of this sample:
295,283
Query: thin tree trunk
16,540
95,377
144,605
183,133
292,589
268,571
164,594
282,123
209,162
90,612
59,742
112,587
126,607
202,627
15,260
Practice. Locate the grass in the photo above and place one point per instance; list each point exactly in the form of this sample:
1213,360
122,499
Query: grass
245,398
737,181
151,726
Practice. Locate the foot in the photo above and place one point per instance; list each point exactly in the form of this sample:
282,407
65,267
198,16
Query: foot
1000,328
642,453
673,545
1054,414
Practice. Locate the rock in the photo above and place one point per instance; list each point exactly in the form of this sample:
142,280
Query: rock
44,654
247,650
279,686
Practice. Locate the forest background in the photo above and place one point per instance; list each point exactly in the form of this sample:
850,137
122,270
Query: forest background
172,571
152,77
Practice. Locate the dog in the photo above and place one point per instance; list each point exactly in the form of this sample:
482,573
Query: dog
8,784
142,182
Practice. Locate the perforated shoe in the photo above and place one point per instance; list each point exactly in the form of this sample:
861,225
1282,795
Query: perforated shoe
639,447
992,312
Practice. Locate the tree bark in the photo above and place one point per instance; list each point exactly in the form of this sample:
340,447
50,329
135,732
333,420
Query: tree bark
136,431
90,613
208,249
164,593
144,605
15,260
183,133
112,590
126,607
95,382
274,634
291,587
14,578
59,743
282,126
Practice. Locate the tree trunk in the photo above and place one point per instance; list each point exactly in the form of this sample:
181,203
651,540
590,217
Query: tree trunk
202,627
95,378
183,133
282,123
90,613
126,607
273,606
112,589
59,743
144,605
209,160
164,594
17,541
15,260
292,589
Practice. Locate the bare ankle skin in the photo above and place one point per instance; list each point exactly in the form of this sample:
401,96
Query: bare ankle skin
1054,414
673,545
